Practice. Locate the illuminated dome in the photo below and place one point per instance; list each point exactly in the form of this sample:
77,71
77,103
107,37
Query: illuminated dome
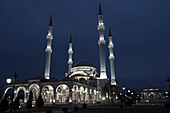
83,64
83,70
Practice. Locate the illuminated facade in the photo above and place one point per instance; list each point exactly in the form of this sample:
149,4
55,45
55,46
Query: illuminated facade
82,83
151,94
52,90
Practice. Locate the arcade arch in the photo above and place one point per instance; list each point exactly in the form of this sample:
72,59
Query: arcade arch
47,93
62,93
35,89
17,92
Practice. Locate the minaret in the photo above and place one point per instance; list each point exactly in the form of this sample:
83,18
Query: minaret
70,52
111,58
101,43
48,50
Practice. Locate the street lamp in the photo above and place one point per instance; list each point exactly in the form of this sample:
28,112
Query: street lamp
9,80
168,80
108,93
75,95
123,88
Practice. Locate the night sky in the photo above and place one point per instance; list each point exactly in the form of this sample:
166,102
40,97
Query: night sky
140,29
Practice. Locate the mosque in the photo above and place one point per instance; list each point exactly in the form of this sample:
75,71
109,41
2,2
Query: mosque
81,84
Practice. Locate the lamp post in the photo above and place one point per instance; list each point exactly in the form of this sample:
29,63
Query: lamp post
9,80
168,80
124,90
75,95
108,93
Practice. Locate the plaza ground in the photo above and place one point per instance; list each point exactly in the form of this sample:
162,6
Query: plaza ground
105,108
127,110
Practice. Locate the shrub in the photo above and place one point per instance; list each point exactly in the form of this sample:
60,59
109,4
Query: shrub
4,105
65,110
167,104
121,106
76,108
29,104
98,102
84,106
16,104
39,102
49,111
129,102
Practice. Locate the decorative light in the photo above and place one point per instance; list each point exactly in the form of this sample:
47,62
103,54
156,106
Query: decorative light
103,98
147,100
106,95
166,92
9,80
131,93
53,100
128,91
123,88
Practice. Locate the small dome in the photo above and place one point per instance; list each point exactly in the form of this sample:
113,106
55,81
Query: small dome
83,64
150,86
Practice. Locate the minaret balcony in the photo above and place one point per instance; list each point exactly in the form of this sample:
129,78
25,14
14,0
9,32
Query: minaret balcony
48,50
110,45
49,37
70,61
101,27
111,57
70,51
101,42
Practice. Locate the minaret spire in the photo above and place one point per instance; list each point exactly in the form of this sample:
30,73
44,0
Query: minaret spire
70,52
100,9
111,58
110,34
48,50
70,39
101,44
50,23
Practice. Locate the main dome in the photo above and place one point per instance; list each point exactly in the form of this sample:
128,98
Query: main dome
83,70
83,63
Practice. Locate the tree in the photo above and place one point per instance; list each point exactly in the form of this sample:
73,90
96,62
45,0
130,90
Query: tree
16,104
105,89
40,102
4,105
65,110
29,102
